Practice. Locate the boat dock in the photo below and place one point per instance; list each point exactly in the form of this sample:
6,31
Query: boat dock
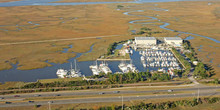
113,59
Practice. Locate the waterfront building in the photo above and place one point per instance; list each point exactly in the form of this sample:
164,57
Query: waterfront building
145,41
176,41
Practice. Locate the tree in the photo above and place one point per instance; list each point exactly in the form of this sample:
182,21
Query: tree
200,70
120,6
216,81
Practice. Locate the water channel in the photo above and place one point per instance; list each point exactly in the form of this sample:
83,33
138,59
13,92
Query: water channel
50,72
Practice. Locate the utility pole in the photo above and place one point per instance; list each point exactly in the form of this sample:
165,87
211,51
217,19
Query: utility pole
198,96
122,103
49,105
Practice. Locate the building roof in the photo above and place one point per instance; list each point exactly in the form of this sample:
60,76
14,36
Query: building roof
145,38
173,38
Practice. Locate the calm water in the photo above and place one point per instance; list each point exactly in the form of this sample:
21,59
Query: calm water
50,72
164,26
48,2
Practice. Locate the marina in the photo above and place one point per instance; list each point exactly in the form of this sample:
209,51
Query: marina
50,72
141,60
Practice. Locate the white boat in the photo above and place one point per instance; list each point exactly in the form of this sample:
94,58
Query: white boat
104,68
132,68
142,58
61,73
123,67
144,65
131,52
160,70
95,69
74,72
140,52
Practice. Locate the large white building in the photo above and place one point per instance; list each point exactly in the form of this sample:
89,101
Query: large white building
173,40
145,41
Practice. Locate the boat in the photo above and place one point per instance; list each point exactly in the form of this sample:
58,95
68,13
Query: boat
132,68
123,67
160,70
95,69
140,52
131,52
142,58
74,72
144,65
104,68
61,73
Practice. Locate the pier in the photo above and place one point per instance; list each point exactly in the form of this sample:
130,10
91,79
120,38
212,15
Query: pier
113,59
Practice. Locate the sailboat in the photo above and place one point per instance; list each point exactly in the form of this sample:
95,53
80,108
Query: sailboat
75,72
95,69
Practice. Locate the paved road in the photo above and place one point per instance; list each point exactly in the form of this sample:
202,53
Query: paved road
55,40
109,99
90,92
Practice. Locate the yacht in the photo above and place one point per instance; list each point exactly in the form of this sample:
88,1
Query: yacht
142,58
132,68
61,73
131,52
144,65
104,68
123,67
161,70
95,69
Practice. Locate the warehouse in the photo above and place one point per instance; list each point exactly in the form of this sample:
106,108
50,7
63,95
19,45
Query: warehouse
177,41
145,41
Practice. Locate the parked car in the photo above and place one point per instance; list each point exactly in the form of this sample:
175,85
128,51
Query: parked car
16,95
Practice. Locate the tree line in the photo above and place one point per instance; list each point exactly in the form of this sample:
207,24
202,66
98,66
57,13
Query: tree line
111,79
159,106
185,62
201,70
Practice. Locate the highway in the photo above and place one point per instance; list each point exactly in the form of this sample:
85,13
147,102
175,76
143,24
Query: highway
103,98
109,99
91,92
